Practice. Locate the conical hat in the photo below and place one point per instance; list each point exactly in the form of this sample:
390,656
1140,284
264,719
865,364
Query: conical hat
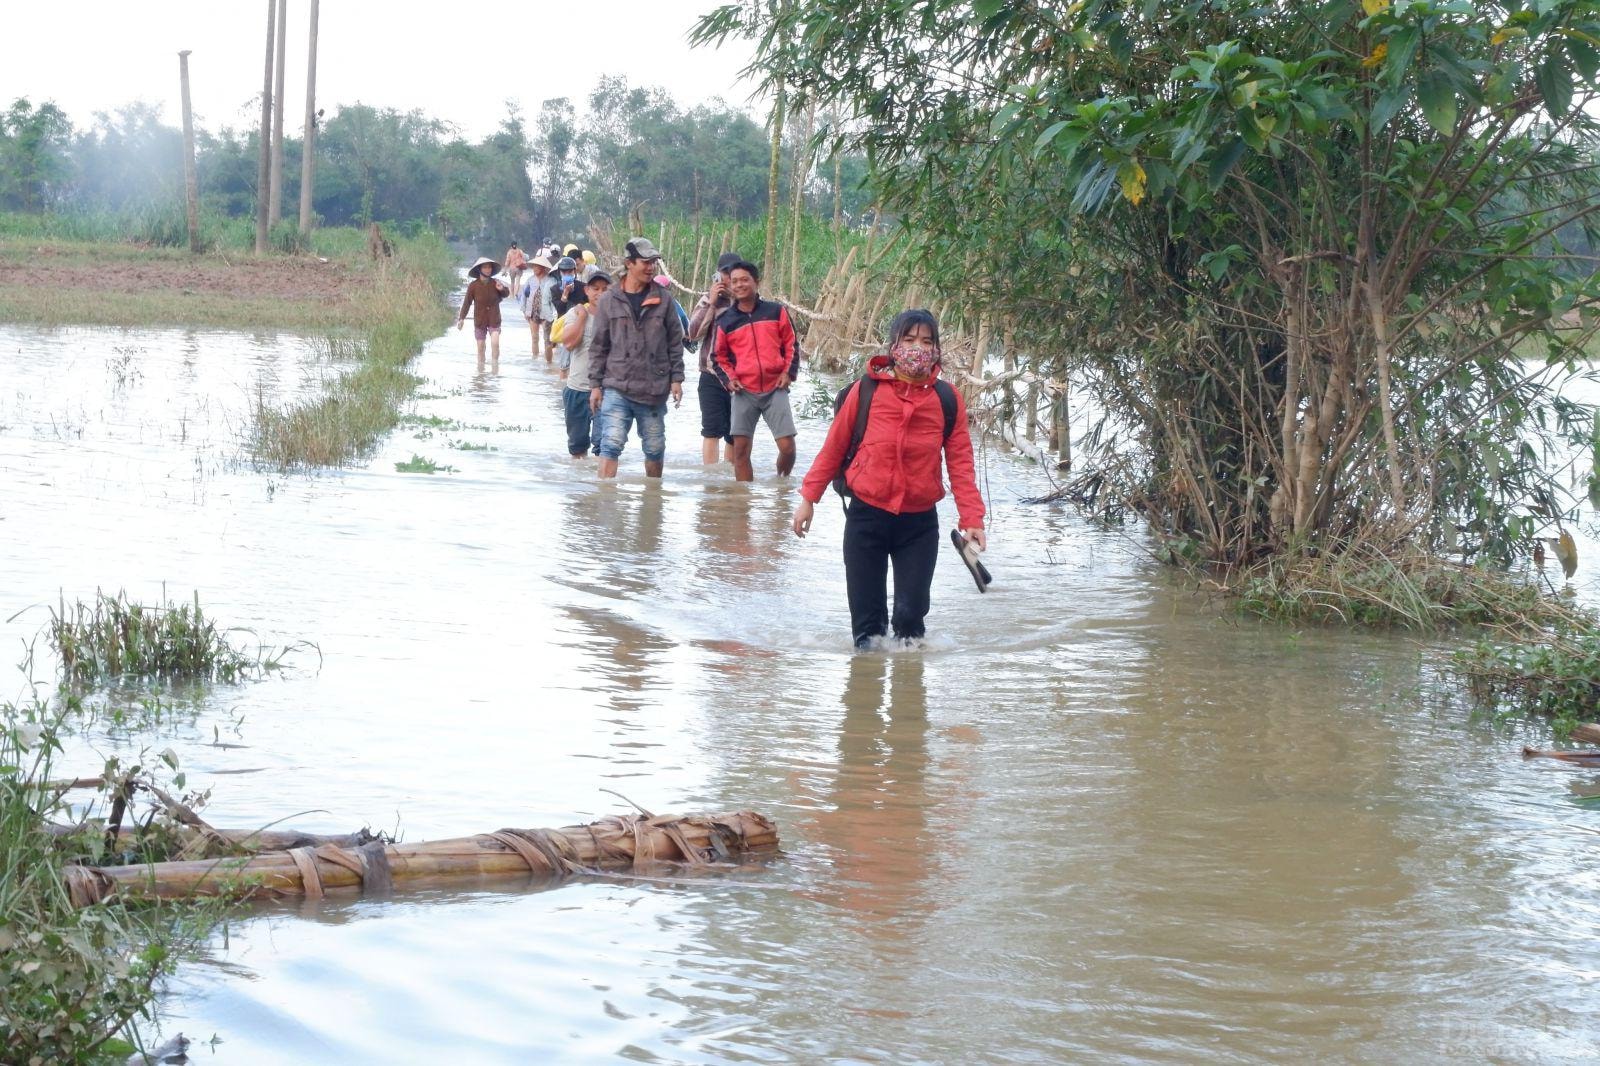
472,271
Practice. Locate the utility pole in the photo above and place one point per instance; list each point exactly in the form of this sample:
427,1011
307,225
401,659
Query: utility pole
191,182
264,138
275,201
307,166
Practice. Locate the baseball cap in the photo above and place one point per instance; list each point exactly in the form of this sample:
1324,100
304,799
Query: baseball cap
641,248
727,260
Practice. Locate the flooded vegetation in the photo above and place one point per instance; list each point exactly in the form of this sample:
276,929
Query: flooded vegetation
1099,812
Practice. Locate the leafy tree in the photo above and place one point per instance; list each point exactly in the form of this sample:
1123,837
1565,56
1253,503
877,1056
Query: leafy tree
33,154
1298,253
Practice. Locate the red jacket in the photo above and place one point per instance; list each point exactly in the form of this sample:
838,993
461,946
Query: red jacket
897,467
757,347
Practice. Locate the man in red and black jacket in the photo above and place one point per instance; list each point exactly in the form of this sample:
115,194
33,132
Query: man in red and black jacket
757,358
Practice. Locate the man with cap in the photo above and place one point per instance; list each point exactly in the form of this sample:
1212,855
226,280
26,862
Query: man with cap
715,401
635,361
483,295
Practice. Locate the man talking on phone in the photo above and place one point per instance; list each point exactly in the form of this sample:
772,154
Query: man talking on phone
716,404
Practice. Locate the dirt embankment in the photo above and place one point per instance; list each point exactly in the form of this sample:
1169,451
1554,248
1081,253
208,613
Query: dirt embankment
72,283
284,278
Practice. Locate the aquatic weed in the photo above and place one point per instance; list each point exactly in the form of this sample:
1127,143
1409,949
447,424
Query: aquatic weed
420,464
113,637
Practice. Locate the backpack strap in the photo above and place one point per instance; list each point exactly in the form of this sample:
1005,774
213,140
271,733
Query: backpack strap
864,389
947,400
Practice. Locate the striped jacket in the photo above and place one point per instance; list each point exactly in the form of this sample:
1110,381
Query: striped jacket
756,347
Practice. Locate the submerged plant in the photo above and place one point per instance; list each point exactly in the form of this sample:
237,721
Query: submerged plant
112,637
421,464
1555,672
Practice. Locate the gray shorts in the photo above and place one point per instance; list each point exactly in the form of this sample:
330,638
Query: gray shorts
772,406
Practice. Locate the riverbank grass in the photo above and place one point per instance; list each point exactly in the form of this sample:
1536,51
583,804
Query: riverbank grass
1537,652
358,407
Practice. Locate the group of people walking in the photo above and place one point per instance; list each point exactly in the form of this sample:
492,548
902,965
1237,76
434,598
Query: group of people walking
619,344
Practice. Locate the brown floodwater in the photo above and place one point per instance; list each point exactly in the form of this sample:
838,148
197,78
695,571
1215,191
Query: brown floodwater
1095,819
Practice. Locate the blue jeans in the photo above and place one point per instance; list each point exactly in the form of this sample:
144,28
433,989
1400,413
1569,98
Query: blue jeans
617,413
580,423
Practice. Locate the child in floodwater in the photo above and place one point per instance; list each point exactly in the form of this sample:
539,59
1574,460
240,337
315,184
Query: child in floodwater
483,296
577,334
914,422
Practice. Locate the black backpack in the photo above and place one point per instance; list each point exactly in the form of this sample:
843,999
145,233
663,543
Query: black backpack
869,385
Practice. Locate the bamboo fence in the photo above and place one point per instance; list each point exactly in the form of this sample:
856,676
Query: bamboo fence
641,843
843,319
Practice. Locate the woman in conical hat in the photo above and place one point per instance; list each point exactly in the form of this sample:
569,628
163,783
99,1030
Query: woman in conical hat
483,295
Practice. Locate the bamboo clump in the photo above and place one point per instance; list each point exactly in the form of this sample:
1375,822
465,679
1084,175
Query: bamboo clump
634,842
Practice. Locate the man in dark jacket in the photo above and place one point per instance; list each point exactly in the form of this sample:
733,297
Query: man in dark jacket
635,361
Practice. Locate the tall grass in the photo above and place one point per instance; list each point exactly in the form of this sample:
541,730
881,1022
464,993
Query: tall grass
357,408
166,226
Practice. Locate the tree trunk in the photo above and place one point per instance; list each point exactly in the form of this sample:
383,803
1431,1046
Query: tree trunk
275,198
307,166
264,162
191,181
774,167
802,169
838,207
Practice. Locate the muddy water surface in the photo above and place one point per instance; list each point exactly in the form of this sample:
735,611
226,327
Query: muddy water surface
1093,821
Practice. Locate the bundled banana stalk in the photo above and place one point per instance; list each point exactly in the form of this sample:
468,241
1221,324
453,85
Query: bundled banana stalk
641,843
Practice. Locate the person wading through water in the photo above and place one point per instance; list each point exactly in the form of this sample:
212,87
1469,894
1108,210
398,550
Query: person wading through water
715,401
635,361
758,357
483,295
515,261
577,336
538,304
914,421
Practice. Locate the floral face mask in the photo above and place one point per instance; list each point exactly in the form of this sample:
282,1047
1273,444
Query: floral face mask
914,362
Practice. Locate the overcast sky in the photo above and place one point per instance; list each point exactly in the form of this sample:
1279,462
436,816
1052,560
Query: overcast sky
456,62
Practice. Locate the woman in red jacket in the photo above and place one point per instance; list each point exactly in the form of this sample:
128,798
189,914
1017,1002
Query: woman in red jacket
896,480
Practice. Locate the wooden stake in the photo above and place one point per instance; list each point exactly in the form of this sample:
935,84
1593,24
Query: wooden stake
307,155
275,199
191,182
264,162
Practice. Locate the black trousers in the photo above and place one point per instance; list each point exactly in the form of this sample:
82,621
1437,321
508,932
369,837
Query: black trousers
872,538
716,406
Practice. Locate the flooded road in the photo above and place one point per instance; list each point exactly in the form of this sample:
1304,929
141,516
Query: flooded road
1095,820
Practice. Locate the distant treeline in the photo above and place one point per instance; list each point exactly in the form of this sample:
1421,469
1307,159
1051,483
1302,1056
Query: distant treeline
631,148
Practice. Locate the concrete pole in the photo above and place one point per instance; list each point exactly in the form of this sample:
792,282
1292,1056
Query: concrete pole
275,201
307,155
264,137
191,181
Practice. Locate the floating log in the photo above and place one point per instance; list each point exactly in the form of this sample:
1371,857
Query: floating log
1588,758
1588,732
637,842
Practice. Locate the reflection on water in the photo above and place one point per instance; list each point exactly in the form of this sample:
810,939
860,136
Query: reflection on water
1093,821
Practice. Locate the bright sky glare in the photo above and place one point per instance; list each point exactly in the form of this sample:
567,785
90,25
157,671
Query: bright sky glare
456,62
